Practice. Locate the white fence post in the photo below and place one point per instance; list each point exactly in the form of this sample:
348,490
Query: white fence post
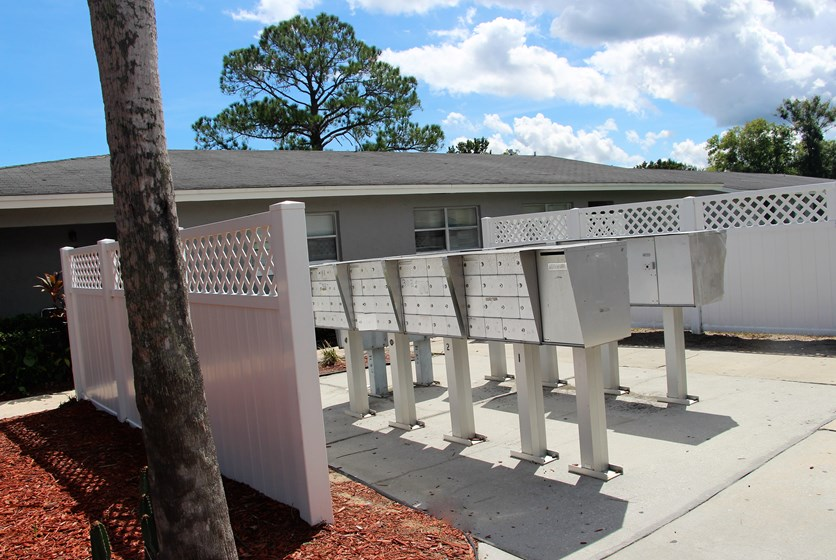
73,326
292,283
573,224
488,233
688,218
119,361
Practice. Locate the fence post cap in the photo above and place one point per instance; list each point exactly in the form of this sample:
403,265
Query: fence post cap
287,205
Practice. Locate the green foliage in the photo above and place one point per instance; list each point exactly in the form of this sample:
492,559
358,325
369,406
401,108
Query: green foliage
828,156
810,119
53,285
475,146
329,356
666,164
34,354
310,82
759,146
99,543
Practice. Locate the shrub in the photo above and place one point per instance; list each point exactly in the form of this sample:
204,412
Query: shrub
34,355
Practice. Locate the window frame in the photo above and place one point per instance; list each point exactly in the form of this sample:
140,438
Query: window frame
527,207
447,228
335,236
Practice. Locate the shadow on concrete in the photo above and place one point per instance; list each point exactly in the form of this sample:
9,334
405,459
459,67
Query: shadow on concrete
502,501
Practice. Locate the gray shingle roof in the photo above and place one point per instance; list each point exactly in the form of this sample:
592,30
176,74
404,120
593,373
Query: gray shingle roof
195,169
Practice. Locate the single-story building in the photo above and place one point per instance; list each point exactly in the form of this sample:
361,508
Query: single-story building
359,204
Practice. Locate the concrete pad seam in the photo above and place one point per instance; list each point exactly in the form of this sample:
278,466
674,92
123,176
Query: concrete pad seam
703,498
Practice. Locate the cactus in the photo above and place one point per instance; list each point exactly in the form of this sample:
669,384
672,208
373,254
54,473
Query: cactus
99,542
149,537
98,535
146,518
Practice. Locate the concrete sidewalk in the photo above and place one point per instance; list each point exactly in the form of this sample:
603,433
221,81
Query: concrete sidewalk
747,472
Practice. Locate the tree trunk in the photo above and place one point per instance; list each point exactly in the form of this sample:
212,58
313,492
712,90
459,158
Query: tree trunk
186,489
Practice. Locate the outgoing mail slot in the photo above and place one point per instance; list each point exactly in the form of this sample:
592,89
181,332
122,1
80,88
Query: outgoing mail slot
584,294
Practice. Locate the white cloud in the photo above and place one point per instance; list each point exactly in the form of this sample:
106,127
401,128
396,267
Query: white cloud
541,135
691,153
398,7
272,11
734,61
649,139
496,59
457,120
494,122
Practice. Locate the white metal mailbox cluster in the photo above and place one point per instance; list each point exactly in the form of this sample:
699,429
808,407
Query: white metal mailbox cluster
671,271
572,295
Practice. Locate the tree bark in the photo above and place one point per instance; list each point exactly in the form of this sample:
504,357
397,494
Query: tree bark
186,489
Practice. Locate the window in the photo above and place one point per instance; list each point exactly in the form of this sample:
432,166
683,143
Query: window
446,229
547,207
323,244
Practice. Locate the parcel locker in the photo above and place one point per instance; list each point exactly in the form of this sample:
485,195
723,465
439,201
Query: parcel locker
677,269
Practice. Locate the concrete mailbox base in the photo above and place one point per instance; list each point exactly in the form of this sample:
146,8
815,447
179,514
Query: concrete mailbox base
499,365
675,358
592,419
406,417
609,363
549,368
531,412
461,396
358,396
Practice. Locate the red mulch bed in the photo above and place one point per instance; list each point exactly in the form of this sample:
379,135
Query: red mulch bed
63,469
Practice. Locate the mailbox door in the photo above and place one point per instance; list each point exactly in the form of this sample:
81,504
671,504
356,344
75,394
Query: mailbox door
641,269
676,270
557,301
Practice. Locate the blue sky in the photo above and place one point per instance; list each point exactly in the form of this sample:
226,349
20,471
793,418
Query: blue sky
608,81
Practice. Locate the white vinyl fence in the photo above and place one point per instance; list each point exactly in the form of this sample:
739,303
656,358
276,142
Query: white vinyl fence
780,274
250,302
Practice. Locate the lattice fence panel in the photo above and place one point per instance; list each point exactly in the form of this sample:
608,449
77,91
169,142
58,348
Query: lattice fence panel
772,209
117,269
231,263
530,229
86,270
630,220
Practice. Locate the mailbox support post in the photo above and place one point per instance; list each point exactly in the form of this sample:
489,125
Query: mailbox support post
378,384
461,396
549,369
609,363
531,412
499,363
675,357
358,396
423,362
406,417
592,417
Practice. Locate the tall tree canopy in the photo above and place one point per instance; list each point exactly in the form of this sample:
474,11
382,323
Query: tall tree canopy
310,82
810,118
665,164
186,490
759,146
475,146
